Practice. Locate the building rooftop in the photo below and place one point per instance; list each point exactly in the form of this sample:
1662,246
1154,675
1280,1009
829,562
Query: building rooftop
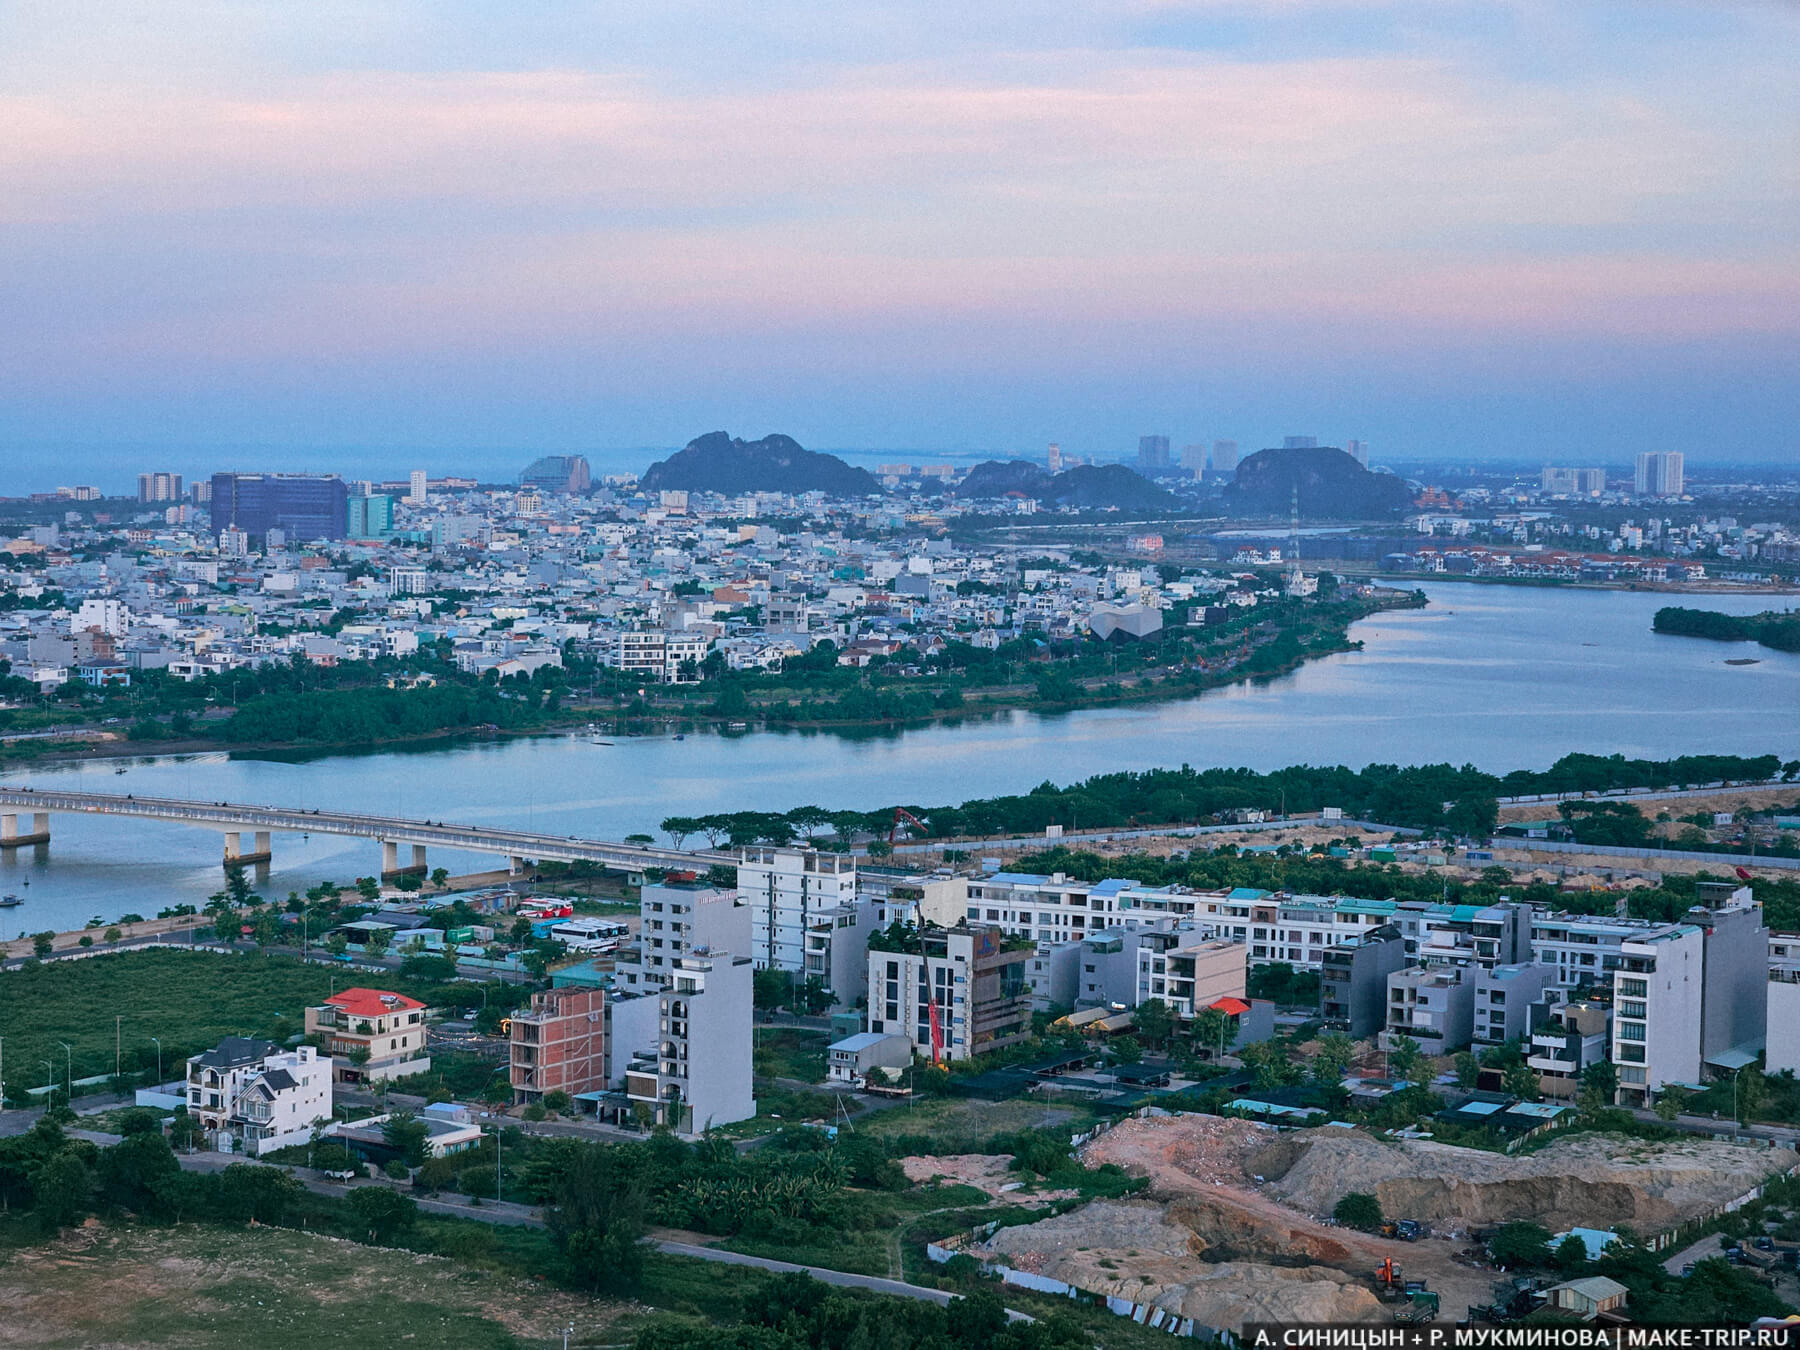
360,1002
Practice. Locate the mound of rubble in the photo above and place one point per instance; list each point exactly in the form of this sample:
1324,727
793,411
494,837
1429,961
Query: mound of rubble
1588,1179
1140,1251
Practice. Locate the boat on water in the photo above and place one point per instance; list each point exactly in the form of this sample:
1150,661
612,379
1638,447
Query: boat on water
8,900
1744,661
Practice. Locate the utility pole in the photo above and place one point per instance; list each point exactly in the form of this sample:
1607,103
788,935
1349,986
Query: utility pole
118,1059
159,1076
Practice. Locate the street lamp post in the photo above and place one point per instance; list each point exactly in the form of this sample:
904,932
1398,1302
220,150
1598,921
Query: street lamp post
69,1063
159,1076
49,1083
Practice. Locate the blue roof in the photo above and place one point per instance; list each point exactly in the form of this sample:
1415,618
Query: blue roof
1480,1108
1112,886
1017,878
862,1040
1246,893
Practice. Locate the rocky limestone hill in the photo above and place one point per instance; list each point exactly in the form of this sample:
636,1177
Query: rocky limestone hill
1332,486
718,462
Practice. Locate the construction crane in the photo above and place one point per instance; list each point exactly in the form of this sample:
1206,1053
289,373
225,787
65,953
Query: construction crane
900,814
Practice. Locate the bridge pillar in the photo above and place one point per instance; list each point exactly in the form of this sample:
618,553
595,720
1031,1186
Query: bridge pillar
9,829
390,861
234,848
514,865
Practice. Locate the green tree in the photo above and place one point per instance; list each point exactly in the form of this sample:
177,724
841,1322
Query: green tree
1468,1070
1153,1022
377,941
1358,1209
382,1210
250,1192
113,935
131,1171
1405,1059
406,1134
1571,1254
1520,1244
1335,1055
1598,1086
42,944
1521,1081
596,1216
337,944
1211,1031
1672,1101
1126,1049
62,1190
1749,1090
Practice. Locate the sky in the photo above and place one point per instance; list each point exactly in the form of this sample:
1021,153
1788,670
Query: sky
455,232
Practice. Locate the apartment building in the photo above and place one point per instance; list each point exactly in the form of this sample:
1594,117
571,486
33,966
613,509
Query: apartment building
1508,999
1657,1002
1353,980
954,992
1584,948
372,1034
658,656
1434,1005
1782,1044
1577,1035
696,1072
784,888
558,1044
257,1096
678,919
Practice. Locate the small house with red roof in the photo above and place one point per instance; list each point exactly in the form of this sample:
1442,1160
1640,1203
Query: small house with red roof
371,1034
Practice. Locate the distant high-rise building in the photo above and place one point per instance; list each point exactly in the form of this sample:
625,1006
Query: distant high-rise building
1056,459
301,506
1300,443
1358,451
557,473
1193,457
159,487
416,497
1573,482
201,492
1153,452
1659,474
370,516
1224,457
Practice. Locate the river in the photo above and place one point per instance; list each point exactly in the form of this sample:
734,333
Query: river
1503,677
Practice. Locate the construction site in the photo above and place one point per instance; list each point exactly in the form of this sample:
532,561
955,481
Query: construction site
1235,1225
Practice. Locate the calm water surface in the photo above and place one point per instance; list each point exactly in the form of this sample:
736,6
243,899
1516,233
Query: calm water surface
1502,677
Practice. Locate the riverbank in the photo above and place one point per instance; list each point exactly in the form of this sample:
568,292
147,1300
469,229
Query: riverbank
780,709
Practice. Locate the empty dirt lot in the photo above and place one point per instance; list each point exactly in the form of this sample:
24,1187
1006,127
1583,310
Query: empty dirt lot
1235,1194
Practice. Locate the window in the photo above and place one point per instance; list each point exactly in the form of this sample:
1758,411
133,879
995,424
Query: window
1631,1031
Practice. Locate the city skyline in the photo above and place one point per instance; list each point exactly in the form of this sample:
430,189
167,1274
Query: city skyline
1468,230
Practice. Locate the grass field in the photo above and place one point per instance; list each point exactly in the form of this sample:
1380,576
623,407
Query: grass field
789,1052
963,1125
205,1287
189,999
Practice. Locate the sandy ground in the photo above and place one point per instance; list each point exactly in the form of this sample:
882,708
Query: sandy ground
72,939
988,1172
1729,799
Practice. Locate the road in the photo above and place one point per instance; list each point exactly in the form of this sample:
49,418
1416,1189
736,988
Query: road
509,1214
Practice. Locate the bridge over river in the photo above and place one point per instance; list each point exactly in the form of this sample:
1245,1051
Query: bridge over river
236,819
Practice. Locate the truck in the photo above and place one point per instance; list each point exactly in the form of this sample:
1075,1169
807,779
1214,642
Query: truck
1406,1230
1421,1306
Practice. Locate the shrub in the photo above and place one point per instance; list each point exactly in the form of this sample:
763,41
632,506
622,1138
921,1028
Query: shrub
1358,1209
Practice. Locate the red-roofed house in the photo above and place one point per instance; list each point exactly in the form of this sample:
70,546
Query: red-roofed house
371,1034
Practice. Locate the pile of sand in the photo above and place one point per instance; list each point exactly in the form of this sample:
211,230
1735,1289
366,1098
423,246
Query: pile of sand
1589,1180
1138,1251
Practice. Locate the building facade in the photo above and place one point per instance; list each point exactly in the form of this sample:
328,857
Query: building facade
785,888
372,1034
302,506
954,992
558,1044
